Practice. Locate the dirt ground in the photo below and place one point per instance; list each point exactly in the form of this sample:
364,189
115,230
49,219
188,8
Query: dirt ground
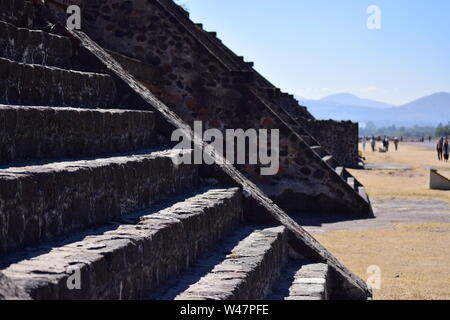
409,240
409,180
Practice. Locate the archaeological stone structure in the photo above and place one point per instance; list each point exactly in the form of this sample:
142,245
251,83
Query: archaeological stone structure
199,78
88,181
437,181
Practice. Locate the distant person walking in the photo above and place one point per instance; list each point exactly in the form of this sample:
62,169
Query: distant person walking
386,144
396,143
446,150
440,148
364,141
373,143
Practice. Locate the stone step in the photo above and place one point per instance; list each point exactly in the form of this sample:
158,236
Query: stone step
344,173
38,133
125,261
34,46
362,193
243,267
329,160
320,151
31,84
290,98
241,60
21,13
308,139
240,77
184,11
42,201
272,93
340,171
351,182
302,280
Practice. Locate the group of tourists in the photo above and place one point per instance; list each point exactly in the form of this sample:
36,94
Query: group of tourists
443,149
385,142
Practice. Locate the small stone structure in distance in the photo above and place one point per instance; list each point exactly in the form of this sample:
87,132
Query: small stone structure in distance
437,181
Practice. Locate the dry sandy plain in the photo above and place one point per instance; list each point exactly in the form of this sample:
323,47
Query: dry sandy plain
409,240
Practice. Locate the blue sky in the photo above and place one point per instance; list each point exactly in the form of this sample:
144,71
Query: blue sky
316,48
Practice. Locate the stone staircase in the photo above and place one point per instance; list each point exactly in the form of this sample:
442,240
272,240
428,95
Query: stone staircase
284,103
307,182
327,158
273,96
252,263
89,186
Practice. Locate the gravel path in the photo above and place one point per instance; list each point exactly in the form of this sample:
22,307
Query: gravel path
387,211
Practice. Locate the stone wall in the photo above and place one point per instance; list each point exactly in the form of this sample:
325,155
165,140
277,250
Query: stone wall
41,202
257,205
89,191
132,260
36,47
340,138
42,133
41,85
197,85
116,25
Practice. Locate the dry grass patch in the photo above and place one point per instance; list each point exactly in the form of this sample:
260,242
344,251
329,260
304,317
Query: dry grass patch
414,258
402,183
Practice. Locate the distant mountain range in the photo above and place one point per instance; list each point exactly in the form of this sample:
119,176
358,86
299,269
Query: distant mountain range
429,110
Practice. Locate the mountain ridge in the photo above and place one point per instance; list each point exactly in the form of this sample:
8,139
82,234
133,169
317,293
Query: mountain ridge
354,100
428,110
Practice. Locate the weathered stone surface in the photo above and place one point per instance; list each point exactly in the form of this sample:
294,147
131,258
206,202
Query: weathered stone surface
437,181
258,207
128,261
42,201
49,86
247,273
200,79
118,251
340,138
301,280
9,291
19,12
35,133
34,46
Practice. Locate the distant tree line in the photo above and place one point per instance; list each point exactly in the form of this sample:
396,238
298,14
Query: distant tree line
406,132
443,131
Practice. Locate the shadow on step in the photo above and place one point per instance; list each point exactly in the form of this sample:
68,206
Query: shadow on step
323,205
54,162
317,220
202,266
76,236
280,290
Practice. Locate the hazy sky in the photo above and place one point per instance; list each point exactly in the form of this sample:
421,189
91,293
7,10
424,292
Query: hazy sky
314,48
